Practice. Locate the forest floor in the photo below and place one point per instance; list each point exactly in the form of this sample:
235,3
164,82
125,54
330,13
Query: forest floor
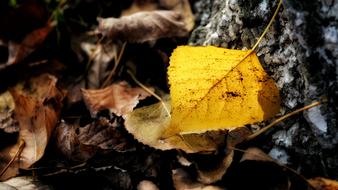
69,81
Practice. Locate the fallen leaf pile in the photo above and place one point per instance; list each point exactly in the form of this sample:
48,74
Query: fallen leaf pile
37,107
90,104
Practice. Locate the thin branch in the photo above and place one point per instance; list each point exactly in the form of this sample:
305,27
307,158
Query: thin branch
268,26
284,117
149,91
117,62
18,152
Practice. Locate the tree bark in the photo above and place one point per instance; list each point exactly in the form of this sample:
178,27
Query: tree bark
300,51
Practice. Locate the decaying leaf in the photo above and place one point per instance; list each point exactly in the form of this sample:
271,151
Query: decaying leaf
118,98
67,142
148,123
182,181
323,184
18,52
7,106
149,25
103,135
37,107
210,174
215,88
102,55
82,145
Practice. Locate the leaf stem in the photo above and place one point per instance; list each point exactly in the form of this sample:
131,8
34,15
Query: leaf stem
268,26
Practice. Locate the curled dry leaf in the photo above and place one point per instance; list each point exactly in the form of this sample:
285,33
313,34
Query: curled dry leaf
148,123
118,98
102,55
37,107
213,174
149,25
82,145
18,52
182,181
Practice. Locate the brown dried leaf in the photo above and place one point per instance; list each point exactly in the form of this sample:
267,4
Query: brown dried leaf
320,183
37,107
81,146
216,174
103,135
149,25
68,143
18,52
102,55
118,98
182,181
74,94
212,175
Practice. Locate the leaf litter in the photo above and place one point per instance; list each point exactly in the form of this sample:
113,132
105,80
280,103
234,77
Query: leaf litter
199,120
38,104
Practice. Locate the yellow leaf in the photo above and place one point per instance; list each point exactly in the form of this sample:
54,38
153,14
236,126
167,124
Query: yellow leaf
148,123
214,88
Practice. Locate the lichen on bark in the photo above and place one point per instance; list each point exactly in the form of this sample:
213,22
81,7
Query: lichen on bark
300,52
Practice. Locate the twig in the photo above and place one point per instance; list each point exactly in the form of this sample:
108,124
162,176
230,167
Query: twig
268,26
117,62
18,152
281,119
149,91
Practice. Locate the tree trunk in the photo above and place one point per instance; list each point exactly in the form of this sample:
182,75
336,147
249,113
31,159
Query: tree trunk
300,51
